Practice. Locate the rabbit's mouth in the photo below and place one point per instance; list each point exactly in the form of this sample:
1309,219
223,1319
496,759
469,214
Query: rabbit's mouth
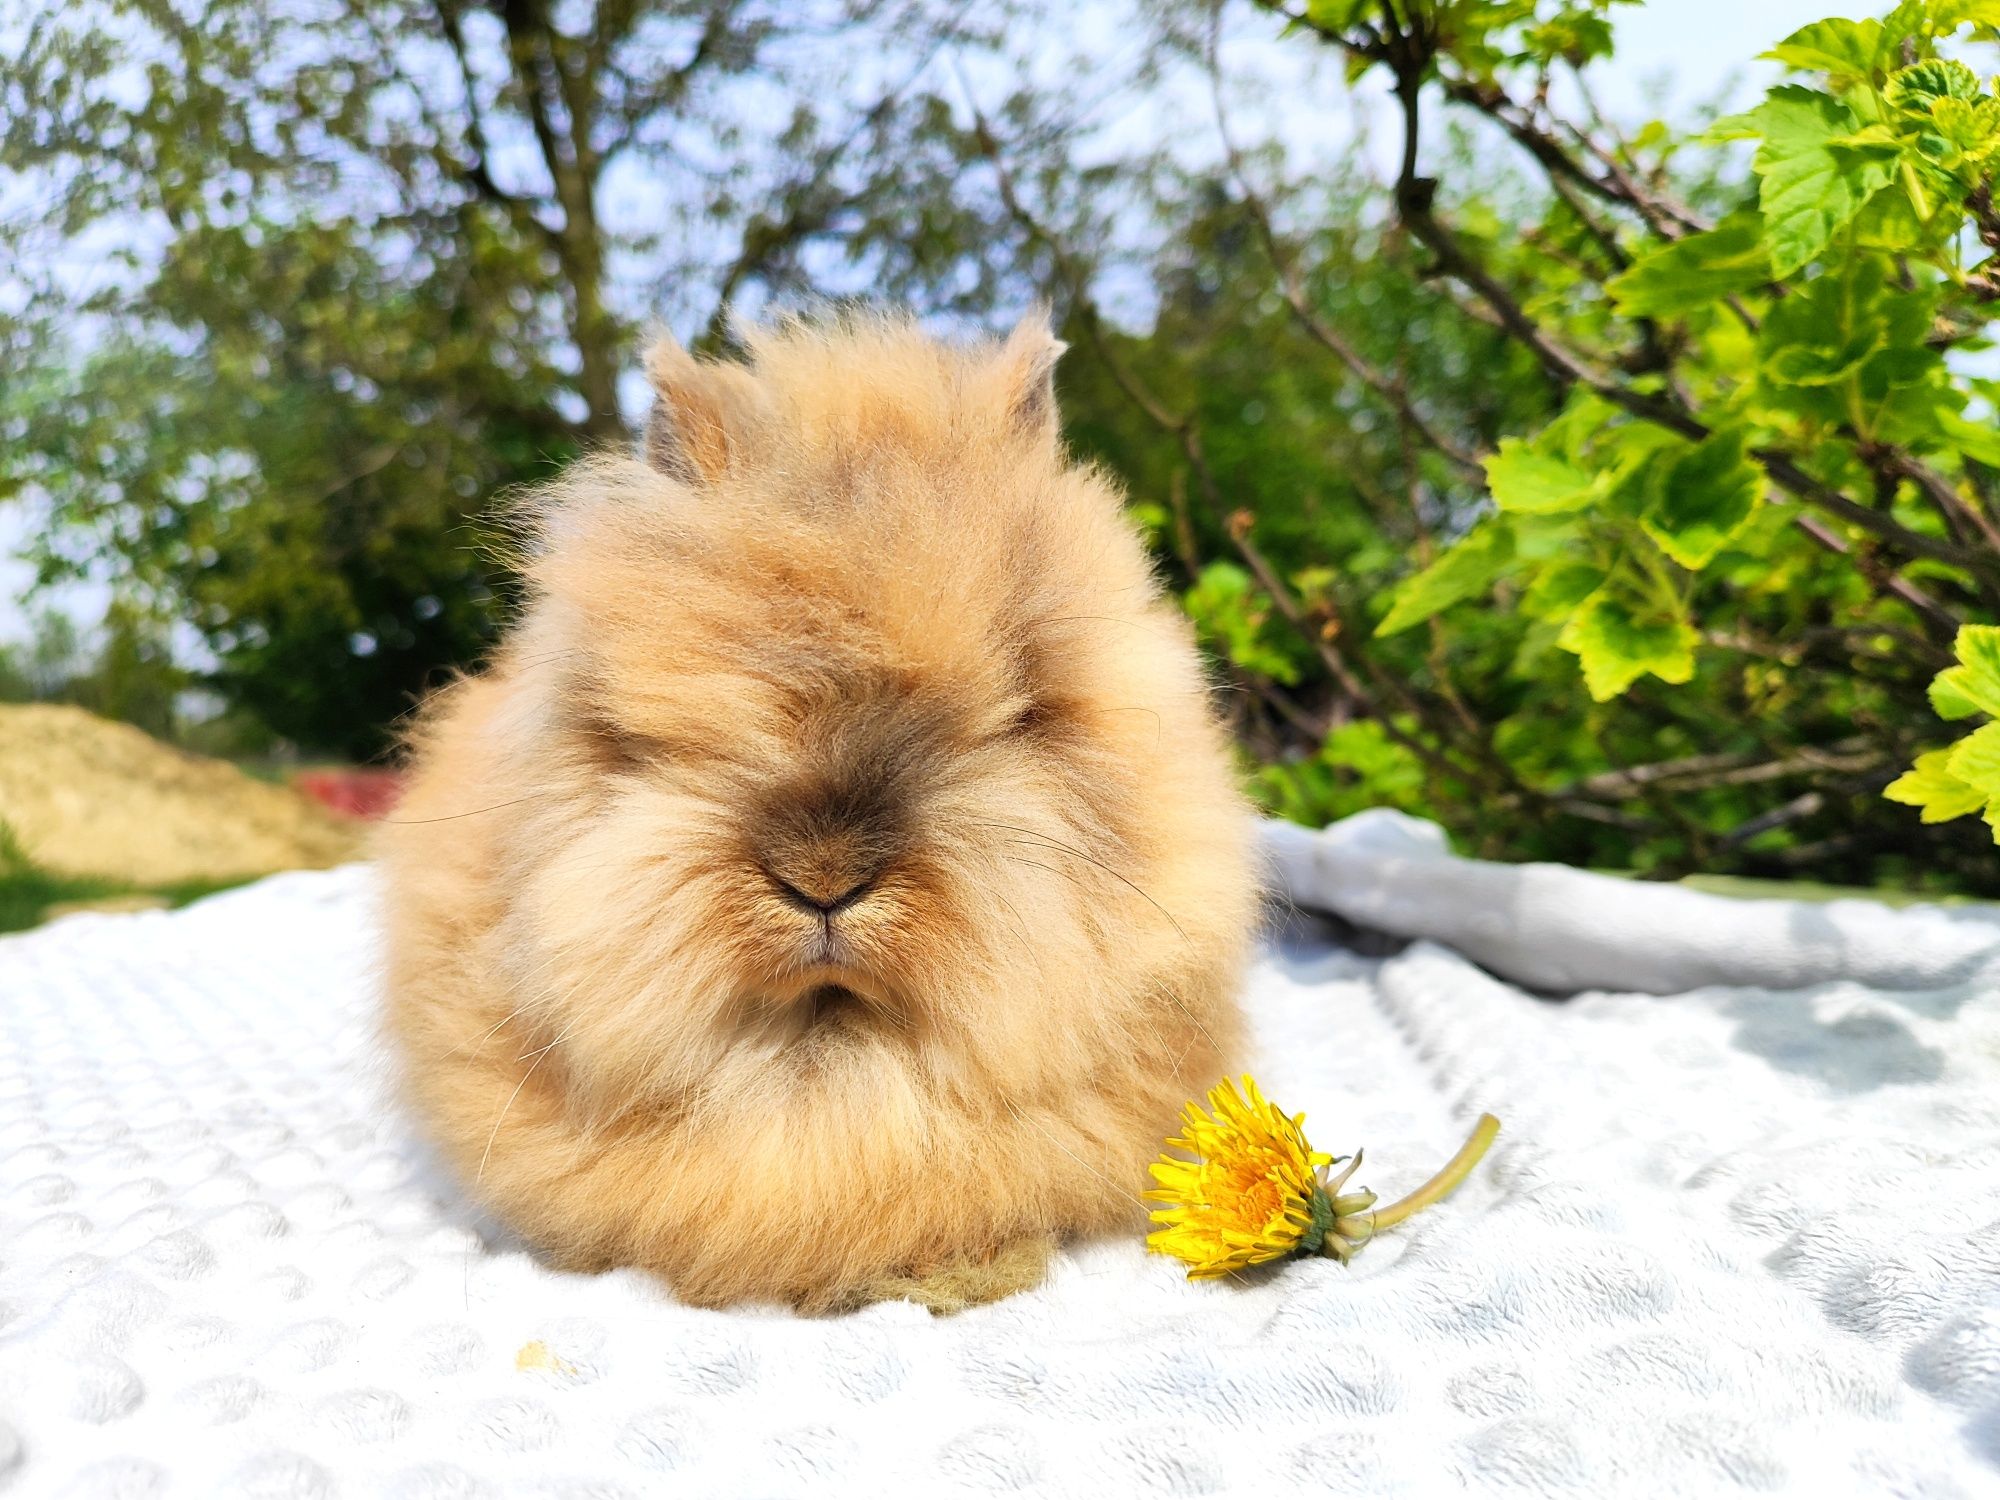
833,1002
831,1007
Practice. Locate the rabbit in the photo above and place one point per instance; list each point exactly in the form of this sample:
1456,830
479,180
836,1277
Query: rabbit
837,881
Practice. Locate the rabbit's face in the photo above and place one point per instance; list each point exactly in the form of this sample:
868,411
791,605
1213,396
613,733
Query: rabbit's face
870,732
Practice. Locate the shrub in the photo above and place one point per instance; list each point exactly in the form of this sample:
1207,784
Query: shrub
1680,606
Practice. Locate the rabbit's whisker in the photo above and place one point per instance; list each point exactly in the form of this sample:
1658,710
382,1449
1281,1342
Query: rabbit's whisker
1056,846
499,1119
1173,999
1022,1115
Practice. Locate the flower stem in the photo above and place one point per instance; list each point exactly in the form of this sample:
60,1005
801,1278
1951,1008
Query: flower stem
1454,1172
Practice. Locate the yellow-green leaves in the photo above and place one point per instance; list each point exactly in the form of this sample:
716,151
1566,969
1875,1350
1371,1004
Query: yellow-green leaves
1465,570
1333,15
1844,50
1930,787
1814,174
1973,686
1855,349
1897,117
1962,778
1915,89
1231,613
1975,439
1956,124
1561,588
1948,15
1527,479
1598,511
1696,272
1705,499
1618,646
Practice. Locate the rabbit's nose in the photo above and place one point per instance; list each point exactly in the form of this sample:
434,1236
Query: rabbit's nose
821,896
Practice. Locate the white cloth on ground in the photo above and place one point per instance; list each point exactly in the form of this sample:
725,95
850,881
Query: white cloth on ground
1743,1239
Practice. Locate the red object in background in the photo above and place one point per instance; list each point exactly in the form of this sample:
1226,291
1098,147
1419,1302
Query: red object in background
352,793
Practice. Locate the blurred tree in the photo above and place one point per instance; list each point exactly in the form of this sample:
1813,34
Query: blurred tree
298,290
42,667
128,675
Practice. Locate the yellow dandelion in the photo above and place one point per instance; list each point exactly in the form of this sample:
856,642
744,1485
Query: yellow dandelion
1251,1189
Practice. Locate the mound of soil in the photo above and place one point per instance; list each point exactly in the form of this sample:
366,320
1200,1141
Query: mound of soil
85,796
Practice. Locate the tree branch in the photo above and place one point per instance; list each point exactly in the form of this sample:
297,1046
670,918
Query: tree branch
1501,782
1394,392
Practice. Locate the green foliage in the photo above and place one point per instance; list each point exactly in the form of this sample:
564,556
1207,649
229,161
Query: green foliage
1467,570
1675,602
1231,612
128,674
297,476
359,279
1357,766
1963,778
1706,497
1817,170
1696,272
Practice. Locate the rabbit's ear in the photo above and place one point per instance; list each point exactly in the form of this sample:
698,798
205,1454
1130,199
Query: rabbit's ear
702,413
1026,368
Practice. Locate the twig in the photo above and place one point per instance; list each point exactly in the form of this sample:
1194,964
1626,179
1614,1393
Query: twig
1394,392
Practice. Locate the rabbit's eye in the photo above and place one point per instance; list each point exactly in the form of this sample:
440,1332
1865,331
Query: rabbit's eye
616,748
1031,716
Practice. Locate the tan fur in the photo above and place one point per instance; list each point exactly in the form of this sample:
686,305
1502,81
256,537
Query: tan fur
859,622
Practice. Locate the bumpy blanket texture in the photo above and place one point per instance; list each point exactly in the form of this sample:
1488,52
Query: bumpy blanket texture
1743,1236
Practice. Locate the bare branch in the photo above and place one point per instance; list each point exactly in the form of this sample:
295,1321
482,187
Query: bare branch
1392,391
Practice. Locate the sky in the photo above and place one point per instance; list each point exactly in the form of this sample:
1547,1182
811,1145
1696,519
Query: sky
1672,55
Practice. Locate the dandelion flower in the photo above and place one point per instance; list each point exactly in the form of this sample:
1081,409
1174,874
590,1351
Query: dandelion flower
1255,1191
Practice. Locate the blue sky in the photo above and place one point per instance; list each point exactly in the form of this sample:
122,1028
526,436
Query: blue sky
1698,43
1689,49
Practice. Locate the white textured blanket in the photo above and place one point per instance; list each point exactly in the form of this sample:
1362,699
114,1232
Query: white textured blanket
1735,1239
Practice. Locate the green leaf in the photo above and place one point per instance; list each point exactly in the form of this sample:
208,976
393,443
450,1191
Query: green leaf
1822,364
1574,38
1464,570
1617,648
1910,20
1826,330
1889,221
1874,140
1914,89
1696,272
1950,693
1705,499
1930,787
1535,483
1809,185
1975,760
1336,15
1844,49
1386,768
1560,589
1231,610
1978,650
1949,15
1977,440
1960,130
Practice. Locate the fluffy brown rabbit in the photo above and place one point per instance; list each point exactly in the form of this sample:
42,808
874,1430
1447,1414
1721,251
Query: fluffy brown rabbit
837,883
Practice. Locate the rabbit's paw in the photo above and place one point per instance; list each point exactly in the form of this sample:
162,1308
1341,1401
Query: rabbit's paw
949,1286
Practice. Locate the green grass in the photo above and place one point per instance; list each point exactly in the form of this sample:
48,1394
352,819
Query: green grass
27,892
1744,887
1751,888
